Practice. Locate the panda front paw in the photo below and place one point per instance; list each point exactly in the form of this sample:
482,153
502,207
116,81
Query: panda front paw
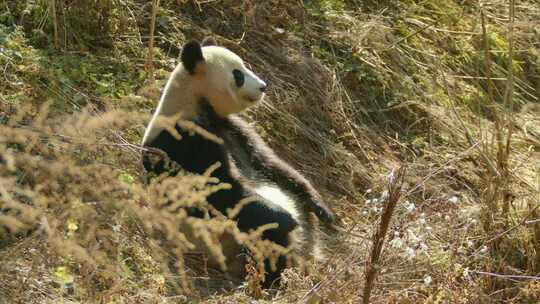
322,211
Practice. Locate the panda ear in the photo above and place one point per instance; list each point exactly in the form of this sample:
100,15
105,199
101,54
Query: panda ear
209,41
191,55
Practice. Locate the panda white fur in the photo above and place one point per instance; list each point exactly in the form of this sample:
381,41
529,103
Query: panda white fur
208,87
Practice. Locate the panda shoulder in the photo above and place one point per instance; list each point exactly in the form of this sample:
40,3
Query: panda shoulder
254,139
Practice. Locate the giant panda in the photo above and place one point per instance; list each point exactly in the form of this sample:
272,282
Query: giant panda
208,87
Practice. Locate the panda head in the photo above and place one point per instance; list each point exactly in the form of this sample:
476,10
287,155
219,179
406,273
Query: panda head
220,76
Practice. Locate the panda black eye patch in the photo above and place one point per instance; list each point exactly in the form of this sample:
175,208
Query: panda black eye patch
238,77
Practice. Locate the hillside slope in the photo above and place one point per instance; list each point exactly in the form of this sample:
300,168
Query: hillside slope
448,89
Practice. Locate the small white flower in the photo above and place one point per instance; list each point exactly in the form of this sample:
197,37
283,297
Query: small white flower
427,280
474,221
368,191
429,228
466,273
412,236
470,244
364,212
422,221
396,243
410,253
454,199
391,177
368,202
410,207
447,217
484,249
423,247
375,200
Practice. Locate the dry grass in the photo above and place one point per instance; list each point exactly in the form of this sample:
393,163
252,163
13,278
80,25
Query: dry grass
448,88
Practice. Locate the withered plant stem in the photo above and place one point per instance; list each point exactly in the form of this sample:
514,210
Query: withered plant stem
150,57
394,187
55,24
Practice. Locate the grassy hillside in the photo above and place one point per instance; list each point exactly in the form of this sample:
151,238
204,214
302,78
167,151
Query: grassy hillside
447,90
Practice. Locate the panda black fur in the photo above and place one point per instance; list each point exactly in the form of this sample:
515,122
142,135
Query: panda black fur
208,88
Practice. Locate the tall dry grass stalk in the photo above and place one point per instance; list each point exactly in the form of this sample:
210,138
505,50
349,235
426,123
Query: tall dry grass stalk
55,24
150,57
501,185
394,187
496,197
